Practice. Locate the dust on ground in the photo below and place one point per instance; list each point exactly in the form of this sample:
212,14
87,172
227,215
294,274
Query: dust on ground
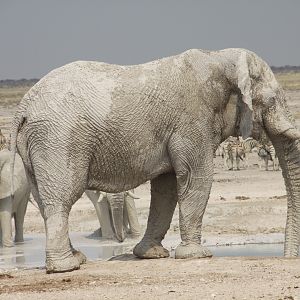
246,204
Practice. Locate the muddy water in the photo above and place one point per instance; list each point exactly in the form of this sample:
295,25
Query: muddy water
31,253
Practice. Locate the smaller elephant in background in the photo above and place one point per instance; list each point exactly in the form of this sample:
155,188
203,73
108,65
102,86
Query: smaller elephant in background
116,213
12,207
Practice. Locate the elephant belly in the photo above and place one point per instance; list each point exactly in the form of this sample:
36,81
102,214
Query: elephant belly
116,172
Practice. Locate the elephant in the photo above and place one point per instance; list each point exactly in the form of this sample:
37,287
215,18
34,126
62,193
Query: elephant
98,126
116,213
16,206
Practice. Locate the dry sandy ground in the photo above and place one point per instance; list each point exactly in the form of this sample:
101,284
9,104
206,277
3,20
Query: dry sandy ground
245,206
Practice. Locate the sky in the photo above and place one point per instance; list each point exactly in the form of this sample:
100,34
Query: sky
37,36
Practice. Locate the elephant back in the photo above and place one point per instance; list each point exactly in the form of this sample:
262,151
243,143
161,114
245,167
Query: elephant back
20,179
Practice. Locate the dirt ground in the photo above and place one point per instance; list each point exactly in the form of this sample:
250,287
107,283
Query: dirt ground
245,206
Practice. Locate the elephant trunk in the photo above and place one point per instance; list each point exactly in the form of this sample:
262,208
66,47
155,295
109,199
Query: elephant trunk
116,203
286,140
288,152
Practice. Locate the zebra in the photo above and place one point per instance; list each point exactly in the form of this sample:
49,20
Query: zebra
3,144
222,150
267,152
248,145
232,151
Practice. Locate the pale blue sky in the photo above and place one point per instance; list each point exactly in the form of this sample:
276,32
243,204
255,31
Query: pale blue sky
38,35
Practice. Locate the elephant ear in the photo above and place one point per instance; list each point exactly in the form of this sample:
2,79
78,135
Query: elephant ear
245,106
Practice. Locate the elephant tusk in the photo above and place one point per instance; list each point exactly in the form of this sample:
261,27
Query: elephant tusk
102,195
132,195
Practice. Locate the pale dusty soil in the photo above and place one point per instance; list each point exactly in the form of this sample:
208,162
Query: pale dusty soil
246,205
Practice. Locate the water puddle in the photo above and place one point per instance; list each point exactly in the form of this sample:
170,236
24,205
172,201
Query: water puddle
31,254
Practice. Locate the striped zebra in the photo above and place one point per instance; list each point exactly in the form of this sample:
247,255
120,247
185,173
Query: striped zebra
3,144
223,150
233,152
267,153
248,145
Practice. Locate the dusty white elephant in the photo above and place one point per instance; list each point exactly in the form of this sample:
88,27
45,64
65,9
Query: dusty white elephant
73,128
116,213
12,207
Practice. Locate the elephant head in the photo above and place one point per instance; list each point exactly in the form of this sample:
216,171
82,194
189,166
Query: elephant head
261,108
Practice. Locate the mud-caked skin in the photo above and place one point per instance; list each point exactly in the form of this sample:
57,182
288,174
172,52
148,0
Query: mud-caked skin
12,206
91,125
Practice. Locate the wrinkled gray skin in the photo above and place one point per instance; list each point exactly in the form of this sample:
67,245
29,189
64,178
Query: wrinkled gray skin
15,207
115,213
73,128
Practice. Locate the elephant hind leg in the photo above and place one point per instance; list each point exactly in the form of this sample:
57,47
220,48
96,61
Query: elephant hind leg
163,203
55,196
59,254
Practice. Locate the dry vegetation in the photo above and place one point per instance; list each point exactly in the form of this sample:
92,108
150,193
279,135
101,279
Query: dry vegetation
10,96
290,81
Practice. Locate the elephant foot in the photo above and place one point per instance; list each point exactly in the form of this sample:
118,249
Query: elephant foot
67,264
150,249
191,250
80,256
19,239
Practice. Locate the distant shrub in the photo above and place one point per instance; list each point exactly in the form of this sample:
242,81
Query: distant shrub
285,69
18,83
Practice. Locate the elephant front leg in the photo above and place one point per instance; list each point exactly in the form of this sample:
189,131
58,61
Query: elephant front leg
163,203
19,219
194,170
192,204
5,220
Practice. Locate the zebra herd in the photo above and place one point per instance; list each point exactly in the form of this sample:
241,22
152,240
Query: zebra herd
235,149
